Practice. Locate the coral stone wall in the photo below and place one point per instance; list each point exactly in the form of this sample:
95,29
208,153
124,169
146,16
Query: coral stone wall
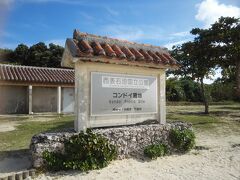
130,140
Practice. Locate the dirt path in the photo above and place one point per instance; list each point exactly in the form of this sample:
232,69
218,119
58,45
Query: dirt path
217,157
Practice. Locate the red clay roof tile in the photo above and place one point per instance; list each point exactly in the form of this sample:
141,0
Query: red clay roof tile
98,48
118,51
128,53
109,51
31,74
137,54
146,55
84,45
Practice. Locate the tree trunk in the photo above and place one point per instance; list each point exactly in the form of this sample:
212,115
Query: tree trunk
205,99
238,79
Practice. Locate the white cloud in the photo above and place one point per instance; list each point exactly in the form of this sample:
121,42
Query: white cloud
212,78
181,34
145,34
210,10
124,32
170,45
134,33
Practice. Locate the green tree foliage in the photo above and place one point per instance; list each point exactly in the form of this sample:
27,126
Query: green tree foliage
223,39
174,90
184,89
55,56
191,90
196,64
222,91
216,46
6,55
36,55
21,54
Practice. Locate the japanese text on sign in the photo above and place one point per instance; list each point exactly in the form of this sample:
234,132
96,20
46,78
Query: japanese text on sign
123,82
118,94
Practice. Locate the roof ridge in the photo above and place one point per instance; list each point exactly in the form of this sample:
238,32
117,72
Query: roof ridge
36,67
83,35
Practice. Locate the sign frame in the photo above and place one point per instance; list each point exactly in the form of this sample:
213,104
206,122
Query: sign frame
122,74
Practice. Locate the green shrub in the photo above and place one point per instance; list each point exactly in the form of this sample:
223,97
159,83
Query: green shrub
156,150
182,140
85,151
54,160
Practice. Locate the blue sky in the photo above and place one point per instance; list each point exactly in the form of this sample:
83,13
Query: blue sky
158,22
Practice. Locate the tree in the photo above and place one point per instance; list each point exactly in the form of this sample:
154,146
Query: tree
191,90
183,89
174,91
37,55
228,74
21,54
196,64
224,41
6,55
56,55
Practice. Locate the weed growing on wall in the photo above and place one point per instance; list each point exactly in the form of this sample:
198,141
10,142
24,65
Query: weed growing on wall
182,140
156,150
85,151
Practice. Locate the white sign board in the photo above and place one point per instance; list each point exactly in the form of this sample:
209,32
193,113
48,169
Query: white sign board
120,94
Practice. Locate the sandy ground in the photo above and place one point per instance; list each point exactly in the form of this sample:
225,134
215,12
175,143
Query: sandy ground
218,157
8,126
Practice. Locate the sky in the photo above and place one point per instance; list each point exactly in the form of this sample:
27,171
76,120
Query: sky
158,22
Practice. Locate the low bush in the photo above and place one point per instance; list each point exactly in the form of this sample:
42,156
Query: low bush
85,151
156,150
182,140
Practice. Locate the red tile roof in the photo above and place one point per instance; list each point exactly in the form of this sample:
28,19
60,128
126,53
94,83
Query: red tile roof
90,47
36,74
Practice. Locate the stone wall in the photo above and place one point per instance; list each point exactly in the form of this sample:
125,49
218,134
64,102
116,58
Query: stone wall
130,140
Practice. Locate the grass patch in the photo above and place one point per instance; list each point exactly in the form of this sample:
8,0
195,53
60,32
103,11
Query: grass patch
187,103
194,119
222,118
20,138
198,121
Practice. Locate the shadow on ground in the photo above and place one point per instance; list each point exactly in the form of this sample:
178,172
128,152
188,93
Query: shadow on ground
200,113
14,161
230,108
